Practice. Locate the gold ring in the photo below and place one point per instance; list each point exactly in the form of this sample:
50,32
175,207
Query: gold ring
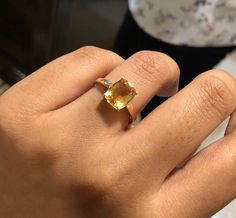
119,95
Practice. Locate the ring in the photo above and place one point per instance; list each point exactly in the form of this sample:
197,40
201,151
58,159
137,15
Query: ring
119,94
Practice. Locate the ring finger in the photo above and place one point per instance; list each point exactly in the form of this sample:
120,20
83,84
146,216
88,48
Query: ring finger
149,72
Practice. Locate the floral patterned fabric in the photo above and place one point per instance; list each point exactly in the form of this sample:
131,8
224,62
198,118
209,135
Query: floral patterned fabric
188,22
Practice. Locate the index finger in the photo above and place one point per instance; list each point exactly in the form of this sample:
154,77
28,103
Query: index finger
63,80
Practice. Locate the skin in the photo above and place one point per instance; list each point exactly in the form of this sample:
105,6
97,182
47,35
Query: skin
66,153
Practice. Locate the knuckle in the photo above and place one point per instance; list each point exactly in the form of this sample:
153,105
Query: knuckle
154,66
96,53
215,93
88,52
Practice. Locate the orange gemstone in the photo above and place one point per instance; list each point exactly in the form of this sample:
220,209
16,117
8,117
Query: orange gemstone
120,94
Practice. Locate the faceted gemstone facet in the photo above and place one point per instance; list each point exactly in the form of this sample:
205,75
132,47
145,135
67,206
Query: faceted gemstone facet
120,94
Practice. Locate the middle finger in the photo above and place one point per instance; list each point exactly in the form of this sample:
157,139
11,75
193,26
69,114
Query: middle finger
178,126
150,72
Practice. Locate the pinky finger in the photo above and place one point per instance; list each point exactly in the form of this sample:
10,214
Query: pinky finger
206,184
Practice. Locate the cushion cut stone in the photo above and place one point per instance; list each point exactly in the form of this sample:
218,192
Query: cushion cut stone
120,94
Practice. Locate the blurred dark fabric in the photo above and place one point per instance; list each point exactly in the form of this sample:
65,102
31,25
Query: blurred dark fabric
25,36
34,32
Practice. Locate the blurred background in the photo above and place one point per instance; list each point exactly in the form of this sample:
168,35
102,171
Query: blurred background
35,32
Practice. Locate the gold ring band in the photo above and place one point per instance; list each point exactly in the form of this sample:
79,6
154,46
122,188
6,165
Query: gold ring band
119,95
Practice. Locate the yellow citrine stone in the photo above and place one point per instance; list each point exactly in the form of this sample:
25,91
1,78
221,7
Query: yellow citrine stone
120,94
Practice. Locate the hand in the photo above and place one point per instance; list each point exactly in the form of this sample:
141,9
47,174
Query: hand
66,153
